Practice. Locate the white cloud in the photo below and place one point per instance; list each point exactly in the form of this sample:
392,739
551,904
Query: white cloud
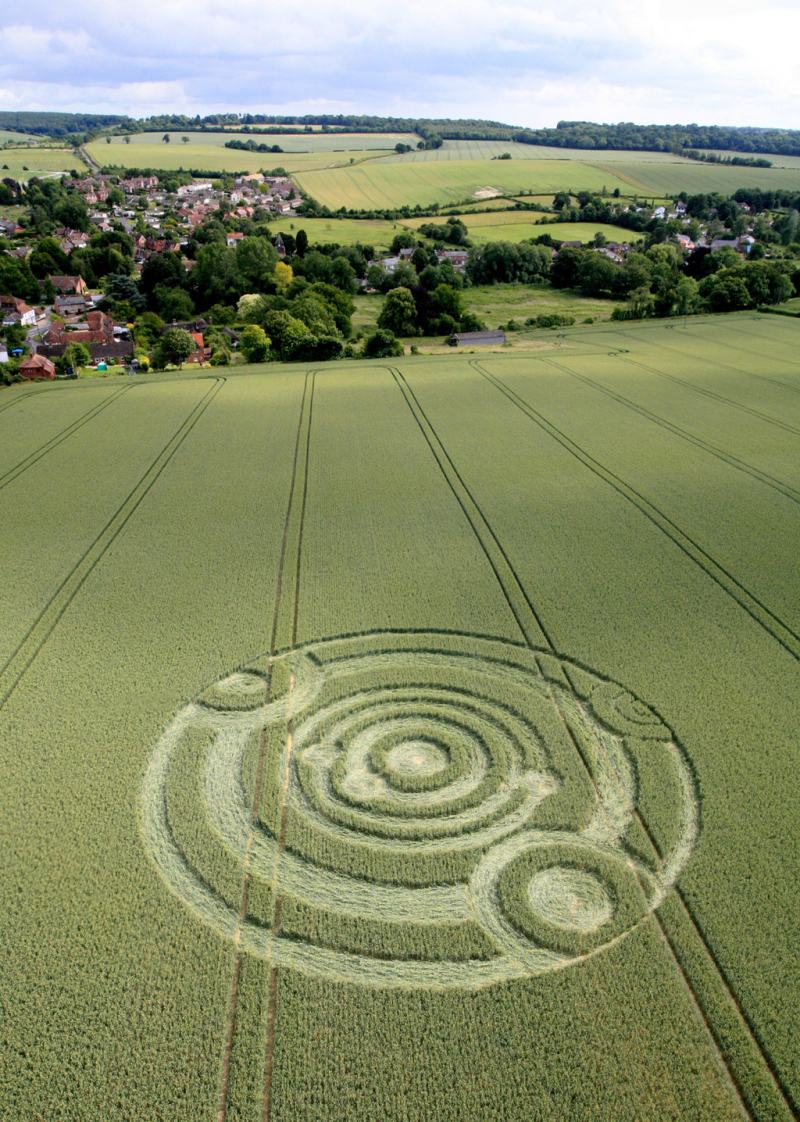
528,63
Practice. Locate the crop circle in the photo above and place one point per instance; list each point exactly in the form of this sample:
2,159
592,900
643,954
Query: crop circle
397,784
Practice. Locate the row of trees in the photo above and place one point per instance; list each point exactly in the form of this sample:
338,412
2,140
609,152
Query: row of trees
566,134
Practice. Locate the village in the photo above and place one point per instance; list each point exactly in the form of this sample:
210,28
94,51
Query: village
158,221
164,216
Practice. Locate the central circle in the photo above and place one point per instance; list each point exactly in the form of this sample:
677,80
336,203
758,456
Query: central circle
570,898
416,757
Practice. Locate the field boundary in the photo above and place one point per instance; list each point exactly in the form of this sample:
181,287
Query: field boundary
22,657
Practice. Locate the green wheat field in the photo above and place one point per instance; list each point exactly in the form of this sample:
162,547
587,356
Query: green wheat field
412,742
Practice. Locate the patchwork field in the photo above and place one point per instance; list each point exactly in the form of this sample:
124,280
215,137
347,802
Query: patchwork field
361,171
376,184
406,742
672,176
207,150
643,172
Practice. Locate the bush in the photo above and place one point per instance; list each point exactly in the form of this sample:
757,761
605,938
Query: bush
382,344
552,319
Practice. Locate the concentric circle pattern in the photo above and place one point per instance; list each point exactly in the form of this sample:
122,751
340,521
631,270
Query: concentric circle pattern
395,800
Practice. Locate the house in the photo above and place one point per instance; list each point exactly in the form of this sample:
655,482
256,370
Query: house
99,352
388,264
15,311
37,367
11,229
233,239
456,257
97,328
70,307
71,239
190,325
478,338
614,251
202,353
138,183
739,245
69,286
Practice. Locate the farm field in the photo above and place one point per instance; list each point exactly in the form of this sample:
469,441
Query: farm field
778,160
342,231
410,741
289,142
669,177
8,135
660,173
496,304
509,225
377,184
24,163
207,151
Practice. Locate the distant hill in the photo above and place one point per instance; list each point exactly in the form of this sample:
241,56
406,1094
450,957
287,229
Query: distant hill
56,124
567,134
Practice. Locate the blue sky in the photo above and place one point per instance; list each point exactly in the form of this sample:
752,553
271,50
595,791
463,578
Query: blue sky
527,63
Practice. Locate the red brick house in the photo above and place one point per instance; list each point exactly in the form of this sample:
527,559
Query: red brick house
37,367
202,353
69,286
98,328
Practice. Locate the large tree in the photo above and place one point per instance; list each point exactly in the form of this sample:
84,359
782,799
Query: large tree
399,313
254,343
175,346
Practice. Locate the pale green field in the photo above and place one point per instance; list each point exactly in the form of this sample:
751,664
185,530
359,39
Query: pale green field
342,231
24,163
778,160
642,172
412,742
496,304
476,221
671,175
147,150
585,231
378,184
18,137
504,225
290,142
490,149
518,225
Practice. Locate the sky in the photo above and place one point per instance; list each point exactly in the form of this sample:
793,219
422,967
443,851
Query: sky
522,62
